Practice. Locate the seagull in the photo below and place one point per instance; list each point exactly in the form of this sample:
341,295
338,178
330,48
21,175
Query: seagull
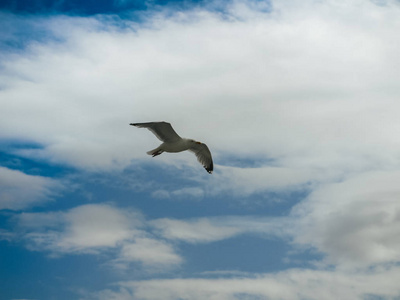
172,142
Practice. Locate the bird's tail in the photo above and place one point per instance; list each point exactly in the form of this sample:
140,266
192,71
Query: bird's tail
155,152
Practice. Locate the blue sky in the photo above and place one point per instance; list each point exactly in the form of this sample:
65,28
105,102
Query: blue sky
89,7
297,100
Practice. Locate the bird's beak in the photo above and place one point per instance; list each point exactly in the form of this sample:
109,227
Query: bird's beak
198,143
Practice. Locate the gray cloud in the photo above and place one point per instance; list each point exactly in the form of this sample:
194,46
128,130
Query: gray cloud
355,222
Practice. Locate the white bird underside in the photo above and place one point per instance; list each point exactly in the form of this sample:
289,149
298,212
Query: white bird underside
172,142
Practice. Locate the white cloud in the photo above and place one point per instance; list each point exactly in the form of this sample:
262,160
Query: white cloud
86,228
19,190
94,226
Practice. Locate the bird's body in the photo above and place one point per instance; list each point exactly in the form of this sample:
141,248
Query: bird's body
173,143
178,146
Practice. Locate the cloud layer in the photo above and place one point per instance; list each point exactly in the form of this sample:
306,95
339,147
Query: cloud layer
325,100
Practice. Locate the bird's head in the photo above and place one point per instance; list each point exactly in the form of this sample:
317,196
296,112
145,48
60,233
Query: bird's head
196,142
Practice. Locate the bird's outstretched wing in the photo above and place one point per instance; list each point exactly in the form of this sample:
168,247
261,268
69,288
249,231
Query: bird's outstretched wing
203,155
162,130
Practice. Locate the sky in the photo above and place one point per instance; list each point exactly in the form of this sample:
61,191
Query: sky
298,102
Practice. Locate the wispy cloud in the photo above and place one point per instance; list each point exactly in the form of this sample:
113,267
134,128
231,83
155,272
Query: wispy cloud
150,252
211,229
19,190
246,181
194,231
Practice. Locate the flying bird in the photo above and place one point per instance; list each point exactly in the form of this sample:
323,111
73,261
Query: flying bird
172,142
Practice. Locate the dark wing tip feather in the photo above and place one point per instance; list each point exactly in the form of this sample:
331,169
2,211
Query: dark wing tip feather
209,168
203,155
